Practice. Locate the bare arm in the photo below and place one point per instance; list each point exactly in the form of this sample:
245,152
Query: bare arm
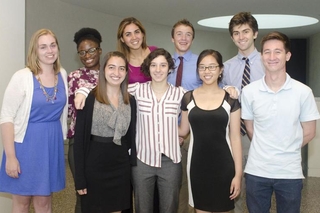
309,131
12,163
184,124
235,140
249,128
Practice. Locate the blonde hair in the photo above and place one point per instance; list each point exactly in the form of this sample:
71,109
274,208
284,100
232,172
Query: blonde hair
33,59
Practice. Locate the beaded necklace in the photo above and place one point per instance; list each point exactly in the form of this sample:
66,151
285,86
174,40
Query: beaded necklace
52,97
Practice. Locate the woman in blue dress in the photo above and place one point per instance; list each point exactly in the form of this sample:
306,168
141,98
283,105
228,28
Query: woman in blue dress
33,125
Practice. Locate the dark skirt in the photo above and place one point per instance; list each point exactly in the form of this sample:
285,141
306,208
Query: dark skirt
108,173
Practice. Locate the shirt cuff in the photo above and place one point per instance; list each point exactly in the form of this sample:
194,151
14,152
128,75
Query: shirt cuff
83,90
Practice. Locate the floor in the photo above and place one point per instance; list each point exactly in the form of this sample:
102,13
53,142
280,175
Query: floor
64,201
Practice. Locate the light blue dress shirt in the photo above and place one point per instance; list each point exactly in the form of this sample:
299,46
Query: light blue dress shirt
234,67
190,78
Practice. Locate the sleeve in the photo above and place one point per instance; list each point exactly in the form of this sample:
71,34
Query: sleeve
131,134
14,95
246,107
186,100
234,103
80,143
132,88
71,92
309,109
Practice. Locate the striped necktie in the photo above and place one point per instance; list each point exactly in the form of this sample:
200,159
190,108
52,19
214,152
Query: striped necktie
245,81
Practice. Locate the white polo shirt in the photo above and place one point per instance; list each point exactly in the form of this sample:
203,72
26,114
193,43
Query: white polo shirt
275,150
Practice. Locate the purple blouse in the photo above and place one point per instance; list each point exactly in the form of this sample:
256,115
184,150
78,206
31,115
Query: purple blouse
79,78
135,75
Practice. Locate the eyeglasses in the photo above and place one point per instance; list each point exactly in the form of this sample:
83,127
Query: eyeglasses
91,51
210,68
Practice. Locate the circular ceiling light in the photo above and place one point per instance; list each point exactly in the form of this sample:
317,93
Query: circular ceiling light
265,21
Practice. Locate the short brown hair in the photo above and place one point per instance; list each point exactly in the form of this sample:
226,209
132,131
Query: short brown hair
243,18
183,22
276,36
145,67
101,90
32,58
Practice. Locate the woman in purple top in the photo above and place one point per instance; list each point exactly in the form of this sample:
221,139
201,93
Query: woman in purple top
132,43
88,47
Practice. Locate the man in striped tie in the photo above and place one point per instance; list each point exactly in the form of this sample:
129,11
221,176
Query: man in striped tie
242,69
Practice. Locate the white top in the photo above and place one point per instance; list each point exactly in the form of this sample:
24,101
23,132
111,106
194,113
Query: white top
275,150
17,101
157,123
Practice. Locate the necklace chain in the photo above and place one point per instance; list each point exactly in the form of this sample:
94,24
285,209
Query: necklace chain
52,97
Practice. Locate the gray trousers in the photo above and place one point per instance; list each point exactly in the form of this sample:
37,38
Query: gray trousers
168,179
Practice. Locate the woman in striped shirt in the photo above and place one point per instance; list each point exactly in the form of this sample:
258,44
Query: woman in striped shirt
157,140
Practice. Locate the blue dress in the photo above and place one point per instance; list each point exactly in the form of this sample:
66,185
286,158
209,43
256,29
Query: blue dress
41,155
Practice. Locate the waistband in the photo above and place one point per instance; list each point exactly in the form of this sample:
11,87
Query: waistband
101,139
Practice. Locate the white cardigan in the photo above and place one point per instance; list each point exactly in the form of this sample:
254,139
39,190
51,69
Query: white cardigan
17,101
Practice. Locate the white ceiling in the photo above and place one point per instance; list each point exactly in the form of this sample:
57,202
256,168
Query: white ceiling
167,12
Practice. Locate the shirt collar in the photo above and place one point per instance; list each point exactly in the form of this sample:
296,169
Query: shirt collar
286,86
251,57
187,56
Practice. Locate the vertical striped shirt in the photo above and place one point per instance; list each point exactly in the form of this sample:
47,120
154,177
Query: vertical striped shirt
157,123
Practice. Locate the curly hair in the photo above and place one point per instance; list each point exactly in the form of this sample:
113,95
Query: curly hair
145,67
87,34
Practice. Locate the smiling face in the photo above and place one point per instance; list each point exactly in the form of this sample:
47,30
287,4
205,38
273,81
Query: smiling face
115,71
132,36
209,70
243,37
90,61
182,38
274,56
47,50
159,69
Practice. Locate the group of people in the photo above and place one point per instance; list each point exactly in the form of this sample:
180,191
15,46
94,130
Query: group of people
156,132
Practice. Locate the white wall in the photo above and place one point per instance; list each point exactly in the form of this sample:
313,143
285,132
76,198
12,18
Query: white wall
313,75
65,19
12,58
313,151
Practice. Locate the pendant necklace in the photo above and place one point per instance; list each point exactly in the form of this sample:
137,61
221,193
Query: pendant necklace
52,97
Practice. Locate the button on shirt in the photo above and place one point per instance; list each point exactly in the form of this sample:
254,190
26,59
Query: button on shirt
234,67
190,78
157,129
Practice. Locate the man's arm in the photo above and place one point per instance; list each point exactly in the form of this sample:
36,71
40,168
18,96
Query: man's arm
309,131
249,128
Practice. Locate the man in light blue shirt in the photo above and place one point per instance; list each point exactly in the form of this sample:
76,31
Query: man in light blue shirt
182,36
280,115
243,28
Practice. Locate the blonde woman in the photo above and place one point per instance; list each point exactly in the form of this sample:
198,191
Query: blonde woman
33,126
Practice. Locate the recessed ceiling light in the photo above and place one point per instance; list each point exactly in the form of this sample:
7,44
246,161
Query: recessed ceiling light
265,21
